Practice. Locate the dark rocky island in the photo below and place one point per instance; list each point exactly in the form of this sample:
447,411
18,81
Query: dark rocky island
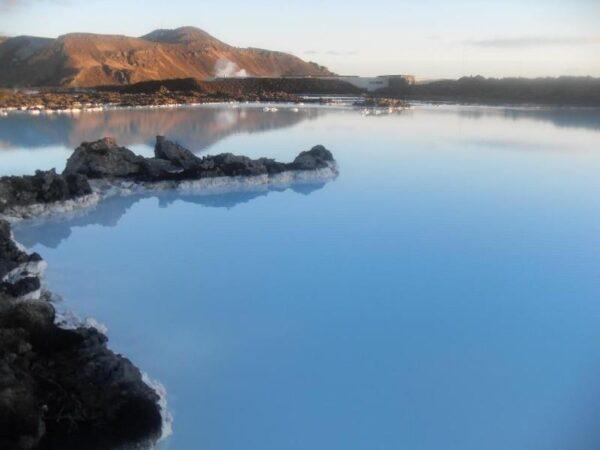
105,159
64,388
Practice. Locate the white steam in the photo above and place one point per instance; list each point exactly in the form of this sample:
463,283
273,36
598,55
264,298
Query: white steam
228,69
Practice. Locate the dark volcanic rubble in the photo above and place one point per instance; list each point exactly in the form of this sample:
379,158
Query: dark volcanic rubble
59,387
43,187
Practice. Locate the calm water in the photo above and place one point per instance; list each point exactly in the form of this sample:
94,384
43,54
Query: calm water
443,293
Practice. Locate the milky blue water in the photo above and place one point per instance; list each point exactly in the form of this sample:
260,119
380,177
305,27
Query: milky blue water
443,293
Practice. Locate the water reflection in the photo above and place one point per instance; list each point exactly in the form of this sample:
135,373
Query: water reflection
586,118
195,127
463,281
201,127
51,232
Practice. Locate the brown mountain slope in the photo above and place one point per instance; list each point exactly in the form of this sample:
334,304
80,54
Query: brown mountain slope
84,60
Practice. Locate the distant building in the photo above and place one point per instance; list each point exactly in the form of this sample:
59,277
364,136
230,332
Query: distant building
366,83
374,83
410,79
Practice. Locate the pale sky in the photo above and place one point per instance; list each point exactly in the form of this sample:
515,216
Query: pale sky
428,38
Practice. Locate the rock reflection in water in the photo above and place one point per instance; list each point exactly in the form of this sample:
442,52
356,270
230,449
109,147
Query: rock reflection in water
50,232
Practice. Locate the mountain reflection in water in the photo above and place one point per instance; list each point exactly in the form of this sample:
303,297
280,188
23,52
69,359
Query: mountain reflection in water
195,127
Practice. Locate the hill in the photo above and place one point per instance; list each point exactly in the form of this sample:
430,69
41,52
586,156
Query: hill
88,60
575,91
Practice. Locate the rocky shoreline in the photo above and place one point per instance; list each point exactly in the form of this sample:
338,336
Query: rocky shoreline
171,93
190,92
74,102
63,387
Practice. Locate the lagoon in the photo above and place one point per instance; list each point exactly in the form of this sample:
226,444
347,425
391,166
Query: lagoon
440,293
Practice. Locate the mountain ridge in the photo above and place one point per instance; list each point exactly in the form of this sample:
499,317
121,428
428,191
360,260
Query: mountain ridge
90,59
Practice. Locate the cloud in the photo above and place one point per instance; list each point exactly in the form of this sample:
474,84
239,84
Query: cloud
332,52
534,41
9,5
342,53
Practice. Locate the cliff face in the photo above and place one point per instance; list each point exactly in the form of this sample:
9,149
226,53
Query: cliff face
85,60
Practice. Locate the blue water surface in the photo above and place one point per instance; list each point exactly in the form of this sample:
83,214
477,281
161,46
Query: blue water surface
441,294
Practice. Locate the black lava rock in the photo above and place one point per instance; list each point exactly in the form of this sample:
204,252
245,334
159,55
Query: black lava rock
176,154
21,287
316,158
59,387
62,388
11,256
103,159
43,187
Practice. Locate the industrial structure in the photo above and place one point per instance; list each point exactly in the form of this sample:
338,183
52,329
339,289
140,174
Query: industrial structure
374,83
